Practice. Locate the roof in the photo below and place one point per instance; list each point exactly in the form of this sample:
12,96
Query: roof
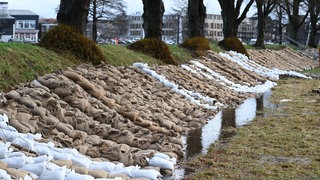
6,16
21,12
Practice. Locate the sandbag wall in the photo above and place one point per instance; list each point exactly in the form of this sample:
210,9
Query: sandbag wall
122,114
286,59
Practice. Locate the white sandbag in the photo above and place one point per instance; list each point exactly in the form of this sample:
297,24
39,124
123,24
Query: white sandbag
51,173
162,163
4,118
106,166
146,173
15,162
61,155
8,135
76,176
124,170
42,158
81,160
15,154
4,149
36,168
5,126
162,155
41,149
4,175
23,142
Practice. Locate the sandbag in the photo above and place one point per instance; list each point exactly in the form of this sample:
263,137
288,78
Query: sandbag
60,162
146,173
53,173
80,169
98,173
21,128
107,166
3,165
4,175
16,173
162,163
37,168
15,162
76,176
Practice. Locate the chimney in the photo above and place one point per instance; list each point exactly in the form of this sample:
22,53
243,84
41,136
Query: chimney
3,8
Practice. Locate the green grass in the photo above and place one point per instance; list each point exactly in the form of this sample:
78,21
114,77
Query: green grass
24,62
121,56
284,145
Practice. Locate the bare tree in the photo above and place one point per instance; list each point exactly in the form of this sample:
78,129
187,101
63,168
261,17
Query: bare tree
196,17
230,11
264,8
152,18
293,9
74,13
280,19
106,10
314,8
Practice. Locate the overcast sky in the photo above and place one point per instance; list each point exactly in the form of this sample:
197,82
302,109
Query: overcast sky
47,8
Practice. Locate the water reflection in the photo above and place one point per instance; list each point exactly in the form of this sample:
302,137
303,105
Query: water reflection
224,124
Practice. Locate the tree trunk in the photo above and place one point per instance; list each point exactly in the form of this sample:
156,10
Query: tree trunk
94,20
74,13
230,28
314,7
196,18
261,25
152,18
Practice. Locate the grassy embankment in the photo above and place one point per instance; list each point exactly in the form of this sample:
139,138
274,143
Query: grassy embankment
284,145
21,63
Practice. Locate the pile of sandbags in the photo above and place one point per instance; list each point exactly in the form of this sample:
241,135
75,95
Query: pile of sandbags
286,59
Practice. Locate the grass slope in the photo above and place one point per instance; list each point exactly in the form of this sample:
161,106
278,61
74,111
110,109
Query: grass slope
284,145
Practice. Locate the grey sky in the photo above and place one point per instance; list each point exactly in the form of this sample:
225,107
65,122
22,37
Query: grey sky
47,8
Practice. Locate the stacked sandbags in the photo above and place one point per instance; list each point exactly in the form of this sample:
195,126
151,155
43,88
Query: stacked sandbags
286,59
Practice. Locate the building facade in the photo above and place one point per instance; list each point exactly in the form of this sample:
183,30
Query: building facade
174,29
18,25
26,23
6,23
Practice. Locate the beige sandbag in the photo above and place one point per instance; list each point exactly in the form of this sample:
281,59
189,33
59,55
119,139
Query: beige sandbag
122,176
28,102
23,116
83,104
93,140
17,174
3,165
51,120
93,152
63,91
83,149
85,84
72,75
98,173
67,163
65,129
127,160
21,128
108,102
39,111
80,170
13,95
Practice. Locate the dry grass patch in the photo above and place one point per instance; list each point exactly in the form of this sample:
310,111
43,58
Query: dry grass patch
282,146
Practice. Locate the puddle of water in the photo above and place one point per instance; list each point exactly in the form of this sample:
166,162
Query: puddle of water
222,126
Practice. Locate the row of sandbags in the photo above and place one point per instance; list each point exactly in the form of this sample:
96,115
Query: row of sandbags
286,59
119,113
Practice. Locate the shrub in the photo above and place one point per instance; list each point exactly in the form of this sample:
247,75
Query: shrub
233,44
197,45
154,47
65,39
